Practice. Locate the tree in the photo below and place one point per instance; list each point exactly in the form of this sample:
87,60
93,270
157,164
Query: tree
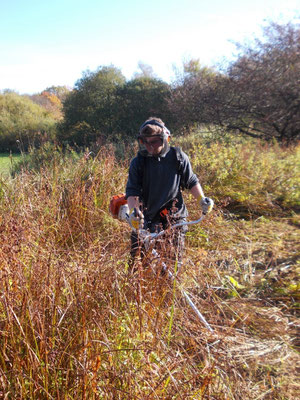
138,99
104,107
89,109
50,102
145,71
257,95
23,124
191,94
61,92
263,87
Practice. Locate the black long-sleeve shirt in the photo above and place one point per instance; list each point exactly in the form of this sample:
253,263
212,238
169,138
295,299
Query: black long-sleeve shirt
157,181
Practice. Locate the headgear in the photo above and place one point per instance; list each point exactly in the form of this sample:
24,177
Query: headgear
165,134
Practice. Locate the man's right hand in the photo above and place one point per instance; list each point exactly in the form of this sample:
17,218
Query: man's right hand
136,219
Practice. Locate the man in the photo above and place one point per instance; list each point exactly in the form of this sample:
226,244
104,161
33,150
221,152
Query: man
156,177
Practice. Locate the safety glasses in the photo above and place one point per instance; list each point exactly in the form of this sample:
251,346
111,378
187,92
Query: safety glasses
153,141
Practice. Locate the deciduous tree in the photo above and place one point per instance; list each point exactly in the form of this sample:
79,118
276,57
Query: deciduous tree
191,94
140,98
90,107
264,86
23,123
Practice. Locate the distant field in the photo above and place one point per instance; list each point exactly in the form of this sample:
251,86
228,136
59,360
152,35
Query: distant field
5,162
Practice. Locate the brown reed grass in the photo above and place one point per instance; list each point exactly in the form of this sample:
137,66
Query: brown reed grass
75,324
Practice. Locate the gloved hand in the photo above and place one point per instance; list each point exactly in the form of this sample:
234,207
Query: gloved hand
206,204
136,219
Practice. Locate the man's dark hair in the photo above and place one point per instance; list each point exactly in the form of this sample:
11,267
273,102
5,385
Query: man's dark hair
152,126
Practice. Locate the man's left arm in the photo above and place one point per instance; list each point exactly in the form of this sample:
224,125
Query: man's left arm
192,183
197,191
206,203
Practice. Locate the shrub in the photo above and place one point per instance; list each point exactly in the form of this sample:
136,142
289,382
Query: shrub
248,176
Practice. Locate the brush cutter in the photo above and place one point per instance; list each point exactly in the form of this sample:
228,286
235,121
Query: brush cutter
148,238
119,209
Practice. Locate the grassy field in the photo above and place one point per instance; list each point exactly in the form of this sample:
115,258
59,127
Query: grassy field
6,161
76,324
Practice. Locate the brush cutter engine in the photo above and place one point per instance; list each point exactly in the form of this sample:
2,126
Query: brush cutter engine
118,207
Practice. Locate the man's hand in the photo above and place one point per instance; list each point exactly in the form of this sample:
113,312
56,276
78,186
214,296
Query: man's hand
206,204
136,219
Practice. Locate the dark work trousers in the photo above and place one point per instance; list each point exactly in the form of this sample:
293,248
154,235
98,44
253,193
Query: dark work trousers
173,244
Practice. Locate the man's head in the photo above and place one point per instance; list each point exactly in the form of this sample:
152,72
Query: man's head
154,135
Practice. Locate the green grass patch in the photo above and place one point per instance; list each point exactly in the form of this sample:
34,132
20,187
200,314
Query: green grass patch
7,161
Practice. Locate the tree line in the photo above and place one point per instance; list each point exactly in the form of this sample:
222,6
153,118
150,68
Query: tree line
257,94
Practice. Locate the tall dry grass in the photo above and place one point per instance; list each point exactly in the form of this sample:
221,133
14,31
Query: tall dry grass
76,324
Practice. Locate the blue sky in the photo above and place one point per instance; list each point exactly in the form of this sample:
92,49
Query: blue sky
51,43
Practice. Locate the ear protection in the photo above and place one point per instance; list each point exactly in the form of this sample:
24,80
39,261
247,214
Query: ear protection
166,133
